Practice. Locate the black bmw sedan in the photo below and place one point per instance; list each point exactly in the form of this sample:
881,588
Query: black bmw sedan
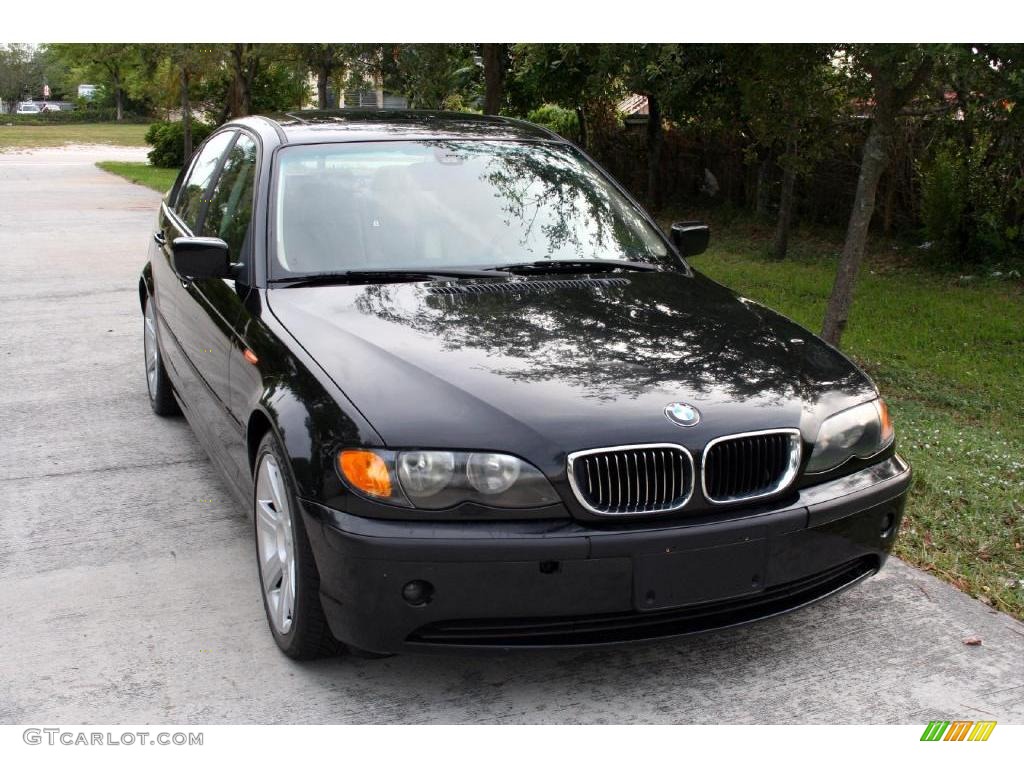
475,398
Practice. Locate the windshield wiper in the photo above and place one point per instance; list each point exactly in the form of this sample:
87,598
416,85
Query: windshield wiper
582,265
377,276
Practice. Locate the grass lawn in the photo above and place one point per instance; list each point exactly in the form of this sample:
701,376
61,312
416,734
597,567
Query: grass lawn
28,136
160,179
948,355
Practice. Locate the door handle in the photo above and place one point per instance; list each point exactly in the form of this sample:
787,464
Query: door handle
159,238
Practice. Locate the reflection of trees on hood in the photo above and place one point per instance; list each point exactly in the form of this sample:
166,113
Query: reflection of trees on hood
658,332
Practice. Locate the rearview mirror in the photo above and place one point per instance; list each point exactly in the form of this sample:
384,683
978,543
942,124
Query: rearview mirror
199,257
691,237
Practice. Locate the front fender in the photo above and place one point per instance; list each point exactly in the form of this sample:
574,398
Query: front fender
311,426
286,392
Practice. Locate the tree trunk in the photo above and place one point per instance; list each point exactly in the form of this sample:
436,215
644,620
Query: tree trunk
225,111
581,119
786,200
234,106
654,138
967,215
889,99
876,155
186,116
243,64
247,83
889,203
118,96
322,75
493,55
764,188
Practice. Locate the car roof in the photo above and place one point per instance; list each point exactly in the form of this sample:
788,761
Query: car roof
341,125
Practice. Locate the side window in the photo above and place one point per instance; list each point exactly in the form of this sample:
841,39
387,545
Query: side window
193,191
230,207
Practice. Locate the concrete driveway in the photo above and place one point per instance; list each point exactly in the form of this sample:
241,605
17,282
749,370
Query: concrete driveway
129,586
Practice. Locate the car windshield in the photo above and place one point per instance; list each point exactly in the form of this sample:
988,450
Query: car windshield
444,204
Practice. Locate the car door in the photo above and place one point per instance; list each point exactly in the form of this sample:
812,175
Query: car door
199,313
228,216
173,301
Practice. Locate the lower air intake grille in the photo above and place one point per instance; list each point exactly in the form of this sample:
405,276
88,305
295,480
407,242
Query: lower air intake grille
632,479
749,466
644,625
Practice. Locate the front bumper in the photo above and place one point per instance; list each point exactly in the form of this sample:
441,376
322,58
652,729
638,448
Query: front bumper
543,583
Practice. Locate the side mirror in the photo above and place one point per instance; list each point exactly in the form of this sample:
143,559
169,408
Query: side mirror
691,237
199,257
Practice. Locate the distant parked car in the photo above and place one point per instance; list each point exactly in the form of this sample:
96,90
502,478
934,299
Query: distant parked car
28,108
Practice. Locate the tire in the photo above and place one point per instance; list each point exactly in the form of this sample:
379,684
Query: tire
284,560
158,385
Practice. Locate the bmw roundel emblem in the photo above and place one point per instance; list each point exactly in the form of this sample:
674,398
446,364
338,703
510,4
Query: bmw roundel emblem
683,414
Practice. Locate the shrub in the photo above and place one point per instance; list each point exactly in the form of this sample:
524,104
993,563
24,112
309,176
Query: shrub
168,142
970,203
943,199
562,121
77,116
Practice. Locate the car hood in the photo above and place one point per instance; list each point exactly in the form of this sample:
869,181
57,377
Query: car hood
542,366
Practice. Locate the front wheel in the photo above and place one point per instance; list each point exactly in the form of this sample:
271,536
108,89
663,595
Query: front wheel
288,575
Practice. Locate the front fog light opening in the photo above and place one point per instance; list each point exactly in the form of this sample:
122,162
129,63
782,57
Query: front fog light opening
888,525
418,592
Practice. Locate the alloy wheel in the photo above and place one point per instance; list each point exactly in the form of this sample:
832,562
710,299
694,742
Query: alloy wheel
149,345
275,544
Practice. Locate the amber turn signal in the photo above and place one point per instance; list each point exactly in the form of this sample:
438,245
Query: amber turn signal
366,472
886,421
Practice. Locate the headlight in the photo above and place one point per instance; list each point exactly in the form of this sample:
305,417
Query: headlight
441,479
492,473
425,473
861,431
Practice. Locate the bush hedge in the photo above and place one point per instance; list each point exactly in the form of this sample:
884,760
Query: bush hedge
971,202
168,142
101,115
558,119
